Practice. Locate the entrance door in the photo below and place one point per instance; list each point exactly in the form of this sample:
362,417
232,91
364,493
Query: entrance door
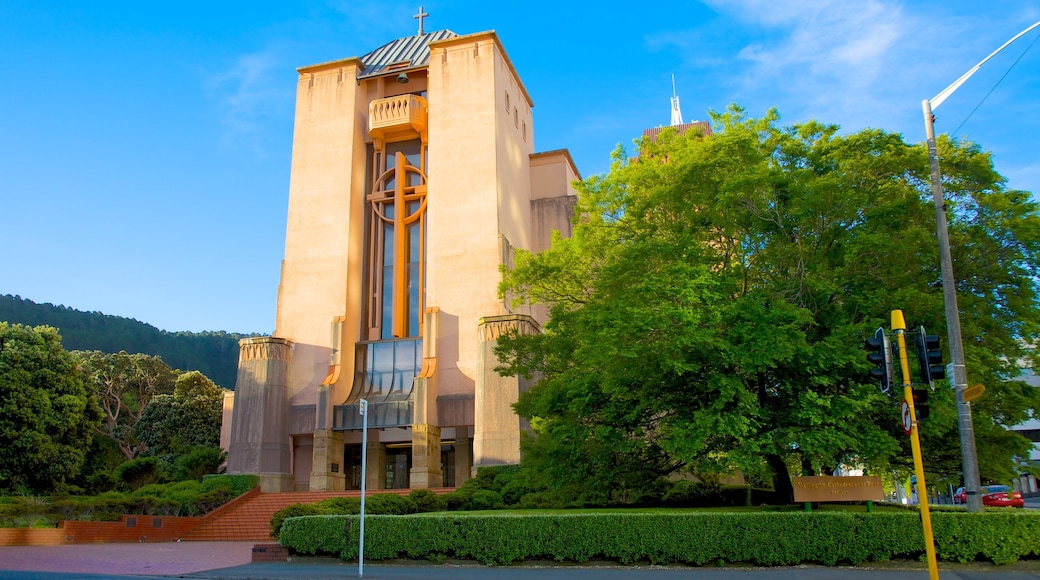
352,463
448,465
398,464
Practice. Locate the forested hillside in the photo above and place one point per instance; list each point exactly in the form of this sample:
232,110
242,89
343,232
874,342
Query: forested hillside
214,354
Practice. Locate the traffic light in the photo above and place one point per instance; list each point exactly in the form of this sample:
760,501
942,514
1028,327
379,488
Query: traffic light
921,403
880,355
929,357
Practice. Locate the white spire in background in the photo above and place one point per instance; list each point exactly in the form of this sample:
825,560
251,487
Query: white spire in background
676,113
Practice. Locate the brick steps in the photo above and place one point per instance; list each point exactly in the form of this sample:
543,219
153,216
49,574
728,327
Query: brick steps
248,518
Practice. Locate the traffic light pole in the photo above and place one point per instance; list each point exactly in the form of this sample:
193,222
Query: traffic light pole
899,328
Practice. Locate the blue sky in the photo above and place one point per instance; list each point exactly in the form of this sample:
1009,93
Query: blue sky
145,146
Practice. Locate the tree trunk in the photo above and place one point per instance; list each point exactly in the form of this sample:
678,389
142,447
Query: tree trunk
781,478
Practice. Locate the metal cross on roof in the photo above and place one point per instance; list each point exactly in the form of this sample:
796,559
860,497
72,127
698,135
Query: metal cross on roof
420,17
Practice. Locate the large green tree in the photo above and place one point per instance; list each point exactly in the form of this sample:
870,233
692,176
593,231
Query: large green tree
709,310
47,415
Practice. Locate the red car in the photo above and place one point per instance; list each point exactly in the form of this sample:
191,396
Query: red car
961,496
1002,496
995,496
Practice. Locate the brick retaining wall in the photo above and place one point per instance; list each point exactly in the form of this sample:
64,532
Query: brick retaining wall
32,536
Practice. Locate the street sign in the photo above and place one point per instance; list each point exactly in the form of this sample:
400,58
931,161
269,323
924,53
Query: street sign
908,420
974,392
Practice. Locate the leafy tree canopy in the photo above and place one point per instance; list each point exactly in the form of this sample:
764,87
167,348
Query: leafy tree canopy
709,311
47,414
124,384
179,423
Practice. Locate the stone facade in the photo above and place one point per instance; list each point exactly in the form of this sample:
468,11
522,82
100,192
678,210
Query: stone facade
413,178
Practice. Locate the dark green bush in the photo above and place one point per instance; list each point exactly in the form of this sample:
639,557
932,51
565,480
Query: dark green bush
376,504
152,489
684,493
389,504
536,500
426,501
760,538
107,507
239,483
458,500
297,509
486,499
340,506
320,535
199,462
141,471
163,499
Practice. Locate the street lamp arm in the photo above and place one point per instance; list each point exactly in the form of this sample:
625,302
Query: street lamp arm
938,99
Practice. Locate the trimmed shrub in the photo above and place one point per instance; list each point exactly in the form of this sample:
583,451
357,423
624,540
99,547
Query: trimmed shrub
457,500
152,489
108,507
239,483
340,506
537,500
389,504
181,498
426,501
297,509
758,538
486,500
684,493
141,471
319,535
199,462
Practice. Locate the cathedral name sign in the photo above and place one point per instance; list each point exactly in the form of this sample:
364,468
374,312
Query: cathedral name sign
825,488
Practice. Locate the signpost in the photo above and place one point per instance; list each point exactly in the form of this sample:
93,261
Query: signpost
974,392
908,417
363,407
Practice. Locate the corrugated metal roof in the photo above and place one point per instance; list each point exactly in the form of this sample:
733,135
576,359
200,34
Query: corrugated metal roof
654,132
414,50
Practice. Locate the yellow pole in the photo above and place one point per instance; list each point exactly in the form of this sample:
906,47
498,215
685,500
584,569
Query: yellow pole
899,327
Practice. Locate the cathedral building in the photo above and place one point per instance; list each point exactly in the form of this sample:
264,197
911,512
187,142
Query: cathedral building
414,177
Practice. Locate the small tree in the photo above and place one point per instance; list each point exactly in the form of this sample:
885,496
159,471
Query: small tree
176,424
199,462
123,385
46,414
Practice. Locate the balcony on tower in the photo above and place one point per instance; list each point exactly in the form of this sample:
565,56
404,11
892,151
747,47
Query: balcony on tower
397,117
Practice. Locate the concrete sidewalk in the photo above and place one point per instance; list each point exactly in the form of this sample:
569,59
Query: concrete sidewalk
153,559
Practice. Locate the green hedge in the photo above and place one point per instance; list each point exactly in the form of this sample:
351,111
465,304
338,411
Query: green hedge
759,538
419,500
185,498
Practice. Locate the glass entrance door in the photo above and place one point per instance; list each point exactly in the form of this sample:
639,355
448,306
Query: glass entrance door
398,464
448,465
352,463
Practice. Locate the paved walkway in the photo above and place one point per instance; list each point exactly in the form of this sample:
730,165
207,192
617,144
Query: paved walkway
158,559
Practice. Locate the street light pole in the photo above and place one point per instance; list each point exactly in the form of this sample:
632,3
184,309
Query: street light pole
363,408
969,457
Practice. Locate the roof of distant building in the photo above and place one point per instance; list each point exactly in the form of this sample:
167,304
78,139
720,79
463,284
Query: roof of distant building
654,132
402,54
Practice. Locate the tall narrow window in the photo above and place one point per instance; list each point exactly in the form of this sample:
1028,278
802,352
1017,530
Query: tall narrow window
397,241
